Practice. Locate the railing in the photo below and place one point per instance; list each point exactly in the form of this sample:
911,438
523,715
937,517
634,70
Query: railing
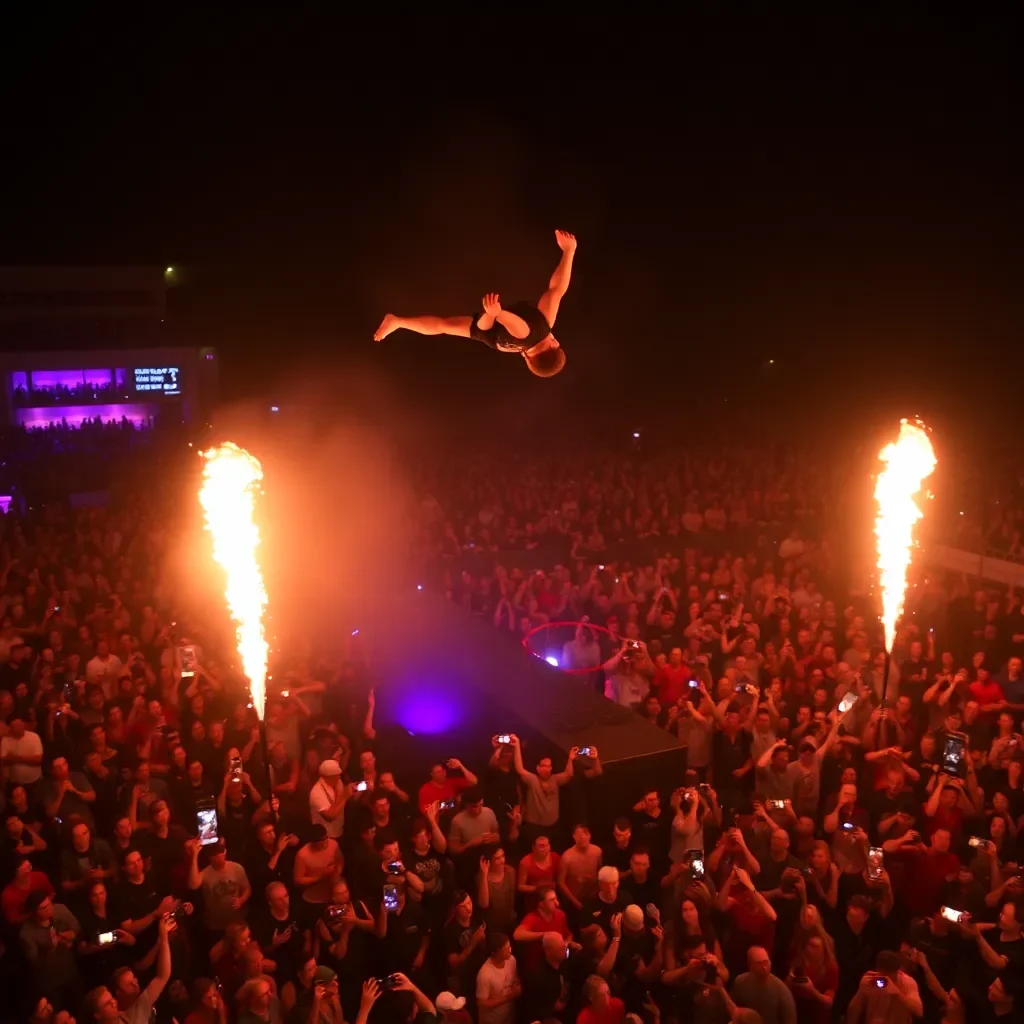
977,564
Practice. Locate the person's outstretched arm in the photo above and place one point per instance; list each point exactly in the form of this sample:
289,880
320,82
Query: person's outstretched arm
517,756
153,990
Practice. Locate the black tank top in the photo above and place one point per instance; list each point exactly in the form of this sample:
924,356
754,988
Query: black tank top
535,320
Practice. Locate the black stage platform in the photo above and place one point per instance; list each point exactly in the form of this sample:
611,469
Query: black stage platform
453,681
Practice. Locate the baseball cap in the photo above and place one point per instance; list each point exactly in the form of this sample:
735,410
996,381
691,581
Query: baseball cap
330,768
324,975
446,1001
633,918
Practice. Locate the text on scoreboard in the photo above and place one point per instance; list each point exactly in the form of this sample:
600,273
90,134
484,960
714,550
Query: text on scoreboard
164,379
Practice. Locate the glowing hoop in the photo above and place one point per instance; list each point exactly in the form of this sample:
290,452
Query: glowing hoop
547,642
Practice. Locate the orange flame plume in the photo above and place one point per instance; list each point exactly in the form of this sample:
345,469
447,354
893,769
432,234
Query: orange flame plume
909,461
231,480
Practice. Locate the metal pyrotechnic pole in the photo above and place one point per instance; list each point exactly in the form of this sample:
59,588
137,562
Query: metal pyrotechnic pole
261,728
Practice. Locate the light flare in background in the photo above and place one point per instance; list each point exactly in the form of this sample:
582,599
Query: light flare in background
231,481
909,461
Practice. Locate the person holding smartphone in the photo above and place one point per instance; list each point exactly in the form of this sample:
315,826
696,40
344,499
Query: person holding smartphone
887,993
848,825
327,799
102,1005
225,885
813,979
103,944
541,805
447,780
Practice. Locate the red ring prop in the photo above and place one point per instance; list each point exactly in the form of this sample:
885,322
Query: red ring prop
528,643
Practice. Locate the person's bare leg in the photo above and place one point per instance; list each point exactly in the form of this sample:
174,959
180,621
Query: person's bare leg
459,326
559,283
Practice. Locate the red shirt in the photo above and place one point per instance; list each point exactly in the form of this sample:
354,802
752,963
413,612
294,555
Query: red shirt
986,693
537,875
201,1017
448,790
13,897
671,683
751,926
612,1015
143,728
533,952
951,821
808,1009
230,970
923,875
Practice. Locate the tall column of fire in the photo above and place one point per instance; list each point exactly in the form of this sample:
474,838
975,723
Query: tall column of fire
909,461
231,483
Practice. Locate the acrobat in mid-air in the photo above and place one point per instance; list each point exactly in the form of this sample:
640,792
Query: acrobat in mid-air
522,327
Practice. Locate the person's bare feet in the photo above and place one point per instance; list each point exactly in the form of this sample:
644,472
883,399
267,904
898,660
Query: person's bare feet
387,325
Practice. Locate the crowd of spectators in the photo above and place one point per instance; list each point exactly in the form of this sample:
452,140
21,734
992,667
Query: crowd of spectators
712,604
842,844
62,394
60,459
87,430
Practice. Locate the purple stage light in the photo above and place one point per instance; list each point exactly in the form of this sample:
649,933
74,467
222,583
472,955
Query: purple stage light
428,711
37,419
46,379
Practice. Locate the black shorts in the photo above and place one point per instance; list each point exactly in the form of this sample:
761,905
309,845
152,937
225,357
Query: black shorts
501,341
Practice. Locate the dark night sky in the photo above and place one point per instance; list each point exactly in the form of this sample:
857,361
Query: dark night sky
837,195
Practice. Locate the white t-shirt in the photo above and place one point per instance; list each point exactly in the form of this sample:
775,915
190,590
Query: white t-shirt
884,1008
626,689
492,982
105,672
320,799
791,548
30,745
